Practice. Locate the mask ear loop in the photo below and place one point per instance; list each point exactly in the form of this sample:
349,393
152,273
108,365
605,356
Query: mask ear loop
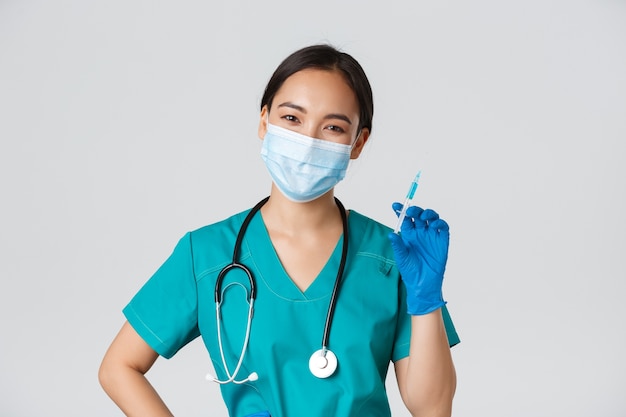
356,139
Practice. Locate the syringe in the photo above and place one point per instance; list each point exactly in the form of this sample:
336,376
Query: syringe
407,201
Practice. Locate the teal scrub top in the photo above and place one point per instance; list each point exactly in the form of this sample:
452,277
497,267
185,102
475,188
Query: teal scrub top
370,327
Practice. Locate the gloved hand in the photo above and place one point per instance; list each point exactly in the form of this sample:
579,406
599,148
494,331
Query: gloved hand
421,252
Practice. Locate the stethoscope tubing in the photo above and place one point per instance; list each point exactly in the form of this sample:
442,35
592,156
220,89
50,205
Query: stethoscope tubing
252,296
342,266
231,377
235,264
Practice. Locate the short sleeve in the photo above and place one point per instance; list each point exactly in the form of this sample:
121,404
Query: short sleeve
165,312
453,337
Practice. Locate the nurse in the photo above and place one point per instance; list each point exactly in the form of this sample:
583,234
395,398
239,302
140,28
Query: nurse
306,254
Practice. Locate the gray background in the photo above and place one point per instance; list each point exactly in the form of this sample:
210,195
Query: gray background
124,124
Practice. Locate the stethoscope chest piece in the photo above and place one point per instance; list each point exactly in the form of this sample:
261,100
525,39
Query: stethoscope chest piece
323,363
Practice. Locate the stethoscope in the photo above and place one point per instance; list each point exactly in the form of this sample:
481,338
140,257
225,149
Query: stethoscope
322,362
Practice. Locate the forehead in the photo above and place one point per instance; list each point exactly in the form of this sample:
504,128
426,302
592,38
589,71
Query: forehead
314,87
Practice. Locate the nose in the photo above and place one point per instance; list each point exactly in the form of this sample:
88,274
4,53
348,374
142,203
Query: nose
311,130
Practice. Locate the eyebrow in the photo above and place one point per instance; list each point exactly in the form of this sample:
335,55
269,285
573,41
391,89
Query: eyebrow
327,117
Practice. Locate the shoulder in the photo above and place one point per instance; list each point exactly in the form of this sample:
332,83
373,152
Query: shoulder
370,224
211,246
370,236
222,228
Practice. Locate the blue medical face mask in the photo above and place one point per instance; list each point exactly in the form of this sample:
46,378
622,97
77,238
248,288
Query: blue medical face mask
303,168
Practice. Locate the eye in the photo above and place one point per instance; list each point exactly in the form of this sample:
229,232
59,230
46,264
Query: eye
290,118
336,129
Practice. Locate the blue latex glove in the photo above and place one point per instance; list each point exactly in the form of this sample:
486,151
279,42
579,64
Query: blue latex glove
421,252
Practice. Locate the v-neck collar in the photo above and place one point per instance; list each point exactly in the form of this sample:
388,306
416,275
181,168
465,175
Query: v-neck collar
272,273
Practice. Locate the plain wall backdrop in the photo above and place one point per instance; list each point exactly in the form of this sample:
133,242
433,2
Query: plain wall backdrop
124,124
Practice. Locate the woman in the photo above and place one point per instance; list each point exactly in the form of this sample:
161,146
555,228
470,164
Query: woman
308,256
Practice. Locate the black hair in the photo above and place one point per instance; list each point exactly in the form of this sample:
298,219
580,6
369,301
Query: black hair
325,57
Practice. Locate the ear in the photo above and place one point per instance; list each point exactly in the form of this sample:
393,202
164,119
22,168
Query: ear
361,140
263,122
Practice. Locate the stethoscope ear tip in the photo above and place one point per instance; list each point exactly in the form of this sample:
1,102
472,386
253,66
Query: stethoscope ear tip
253,376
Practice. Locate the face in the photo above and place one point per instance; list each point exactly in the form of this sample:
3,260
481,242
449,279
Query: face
320,104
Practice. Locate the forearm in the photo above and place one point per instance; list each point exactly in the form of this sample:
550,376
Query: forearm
132,392
122,375
430,379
